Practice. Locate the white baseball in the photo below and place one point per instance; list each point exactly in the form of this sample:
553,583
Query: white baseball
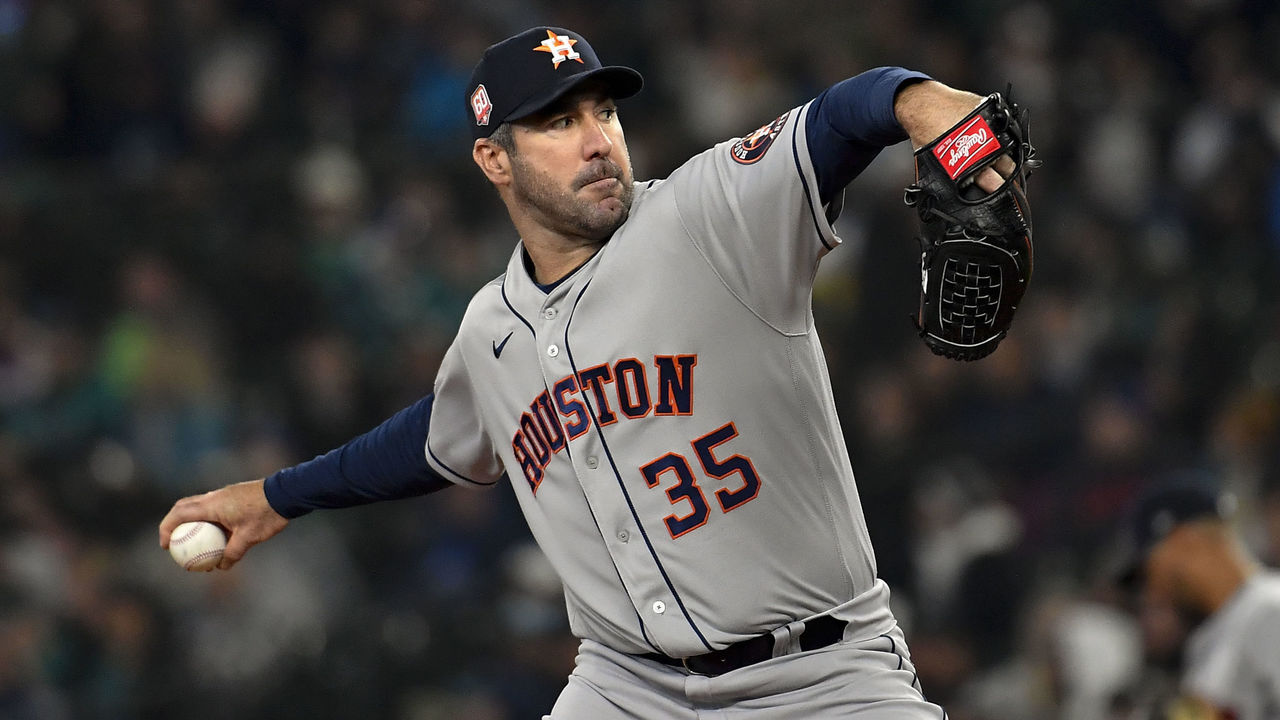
197,545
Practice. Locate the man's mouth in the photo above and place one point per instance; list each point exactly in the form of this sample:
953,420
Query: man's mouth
603,177
604,182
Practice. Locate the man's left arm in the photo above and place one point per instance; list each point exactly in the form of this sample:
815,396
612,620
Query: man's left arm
850,122
760,207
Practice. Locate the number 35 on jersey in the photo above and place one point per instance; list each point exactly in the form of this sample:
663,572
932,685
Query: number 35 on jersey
605,393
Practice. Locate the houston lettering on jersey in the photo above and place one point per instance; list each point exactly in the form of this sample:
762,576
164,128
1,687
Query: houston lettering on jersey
621,388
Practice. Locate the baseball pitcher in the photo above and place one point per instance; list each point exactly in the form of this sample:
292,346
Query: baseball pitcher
646,375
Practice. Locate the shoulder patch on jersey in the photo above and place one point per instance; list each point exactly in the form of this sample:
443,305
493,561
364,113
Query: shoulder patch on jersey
751,148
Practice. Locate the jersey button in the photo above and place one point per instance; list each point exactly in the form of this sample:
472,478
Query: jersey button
623,535
552,351
659,607
549,313
592,462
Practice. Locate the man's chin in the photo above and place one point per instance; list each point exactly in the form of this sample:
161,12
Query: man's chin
612,206
608,217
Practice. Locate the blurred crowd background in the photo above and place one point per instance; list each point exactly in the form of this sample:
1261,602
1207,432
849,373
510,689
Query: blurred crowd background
235,234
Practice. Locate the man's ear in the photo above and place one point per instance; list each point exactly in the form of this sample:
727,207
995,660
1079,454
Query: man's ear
493,161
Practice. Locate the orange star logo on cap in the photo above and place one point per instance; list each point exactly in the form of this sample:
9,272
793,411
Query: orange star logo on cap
560,47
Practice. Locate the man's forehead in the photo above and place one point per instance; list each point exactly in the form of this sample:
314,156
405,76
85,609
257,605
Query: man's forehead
592,93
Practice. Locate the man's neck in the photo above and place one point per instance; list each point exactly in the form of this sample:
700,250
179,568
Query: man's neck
553,258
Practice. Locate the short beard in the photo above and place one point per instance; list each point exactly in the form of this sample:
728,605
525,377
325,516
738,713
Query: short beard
562,210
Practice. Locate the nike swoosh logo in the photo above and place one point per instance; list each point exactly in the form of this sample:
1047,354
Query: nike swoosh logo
497,346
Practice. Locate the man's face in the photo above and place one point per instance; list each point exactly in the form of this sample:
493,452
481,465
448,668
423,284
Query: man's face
1167,607
571,172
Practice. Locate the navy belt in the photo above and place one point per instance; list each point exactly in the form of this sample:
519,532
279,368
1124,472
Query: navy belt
818,633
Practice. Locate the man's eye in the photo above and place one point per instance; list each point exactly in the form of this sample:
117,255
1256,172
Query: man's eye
608,113
562,123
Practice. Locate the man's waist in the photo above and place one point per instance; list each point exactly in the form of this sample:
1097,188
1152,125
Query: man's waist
865,616
812,634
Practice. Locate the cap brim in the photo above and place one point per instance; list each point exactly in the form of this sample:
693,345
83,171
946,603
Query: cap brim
619,82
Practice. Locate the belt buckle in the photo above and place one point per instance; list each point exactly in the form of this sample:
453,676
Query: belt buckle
714,672
712,664
684,662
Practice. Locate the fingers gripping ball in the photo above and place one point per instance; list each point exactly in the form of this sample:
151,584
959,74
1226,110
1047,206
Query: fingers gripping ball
197,546
976,256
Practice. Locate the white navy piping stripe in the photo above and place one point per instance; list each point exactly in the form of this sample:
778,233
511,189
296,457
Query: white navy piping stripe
622,486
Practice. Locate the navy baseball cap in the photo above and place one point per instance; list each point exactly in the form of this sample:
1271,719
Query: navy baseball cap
1158,512
527,72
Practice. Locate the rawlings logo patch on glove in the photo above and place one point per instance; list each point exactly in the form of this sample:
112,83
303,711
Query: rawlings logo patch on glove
975,247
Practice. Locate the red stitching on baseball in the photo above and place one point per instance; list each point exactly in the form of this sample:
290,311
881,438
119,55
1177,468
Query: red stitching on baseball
201,556
190,533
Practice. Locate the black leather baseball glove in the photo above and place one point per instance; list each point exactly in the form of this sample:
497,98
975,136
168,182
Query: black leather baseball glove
975,247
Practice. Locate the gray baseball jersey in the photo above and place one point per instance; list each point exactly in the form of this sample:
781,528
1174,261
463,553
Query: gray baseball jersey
665,413
1233,659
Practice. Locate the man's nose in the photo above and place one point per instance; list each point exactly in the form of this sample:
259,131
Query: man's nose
597,142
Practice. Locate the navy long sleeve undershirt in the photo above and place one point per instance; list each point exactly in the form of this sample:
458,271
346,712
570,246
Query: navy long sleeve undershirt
848,125
387,463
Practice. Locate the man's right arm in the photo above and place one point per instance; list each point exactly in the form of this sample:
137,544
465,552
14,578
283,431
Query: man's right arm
386,463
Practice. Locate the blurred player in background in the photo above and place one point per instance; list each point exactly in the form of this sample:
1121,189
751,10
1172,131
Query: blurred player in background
1192,565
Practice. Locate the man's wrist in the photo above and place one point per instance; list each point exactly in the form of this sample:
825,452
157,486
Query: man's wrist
283,503
926,109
